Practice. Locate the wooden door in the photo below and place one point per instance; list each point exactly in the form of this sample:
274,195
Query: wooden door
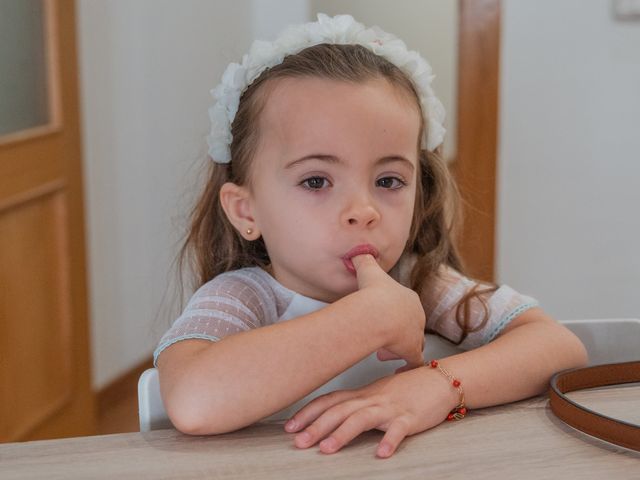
45,389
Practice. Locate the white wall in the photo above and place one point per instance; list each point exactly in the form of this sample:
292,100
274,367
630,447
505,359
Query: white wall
269,17
146,69
427,26
569,186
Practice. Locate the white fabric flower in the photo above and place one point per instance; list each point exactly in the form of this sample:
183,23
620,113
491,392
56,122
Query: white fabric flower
341,29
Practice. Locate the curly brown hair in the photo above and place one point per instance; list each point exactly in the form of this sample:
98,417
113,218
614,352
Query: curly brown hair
213,246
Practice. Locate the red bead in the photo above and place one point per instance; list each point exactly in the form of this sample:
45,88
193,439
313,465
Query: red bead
456,383
462,411
434,363
450,417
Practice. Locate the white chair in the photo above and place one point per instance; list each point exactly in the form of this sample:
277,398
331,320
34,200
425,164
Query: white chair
610,340
606,341
151,411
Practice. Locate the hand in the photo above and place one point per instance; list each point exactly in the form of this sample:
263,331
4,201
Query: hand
400,405
383,355
399,307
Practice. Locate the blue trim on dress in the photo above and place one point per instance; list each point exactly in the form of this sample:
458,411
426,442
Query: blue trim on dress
507,319
162,346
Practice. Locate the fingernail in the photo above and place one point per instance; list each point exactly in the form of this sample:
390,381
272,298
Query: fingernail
291,426
304,437
329,443
384,450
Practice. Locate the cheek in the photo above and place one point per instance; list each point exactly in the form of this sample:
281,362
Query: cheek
403,213
290,217
402,203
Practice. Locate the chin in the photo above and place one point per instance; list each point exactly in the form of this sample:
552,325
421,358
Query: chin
332,292
344,290
332,286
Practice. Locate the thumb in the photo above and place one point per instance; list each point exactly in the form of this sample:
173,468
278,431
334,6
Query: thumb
383,355
367,269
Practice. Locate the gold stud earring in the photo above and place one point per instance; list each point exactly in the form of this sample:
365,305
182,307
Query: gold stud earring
249,231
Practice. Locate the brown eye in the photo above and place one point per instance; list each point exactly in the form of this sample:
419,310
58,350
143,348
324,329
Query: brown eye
315,183
391,183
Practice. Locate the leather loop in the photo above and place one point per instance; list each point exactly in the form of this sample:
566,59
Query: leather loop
593,423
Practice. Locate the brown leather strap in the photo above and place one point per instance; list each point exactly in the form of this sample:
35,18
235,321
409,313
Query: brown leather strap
606,428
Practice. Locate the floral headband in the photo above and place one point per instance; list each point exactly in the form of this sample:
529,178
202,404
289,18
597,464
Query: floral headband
341,29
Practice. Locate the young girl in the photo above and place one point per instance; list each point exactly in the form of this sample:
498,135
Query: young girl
324,234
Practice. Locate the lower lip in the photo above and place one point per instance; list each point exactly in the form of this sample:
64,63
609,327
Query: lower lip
359,250
349,265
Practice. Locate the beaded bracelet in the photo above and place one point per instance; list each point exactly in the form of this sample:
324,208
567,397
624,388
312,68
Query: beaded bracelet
460,411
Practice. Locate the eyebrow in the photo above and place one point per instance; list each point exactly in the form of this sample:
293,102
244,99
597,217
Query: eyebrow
334,159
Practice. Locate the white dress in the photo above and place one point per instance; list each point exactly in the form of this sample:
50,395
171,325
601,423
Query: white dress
248,298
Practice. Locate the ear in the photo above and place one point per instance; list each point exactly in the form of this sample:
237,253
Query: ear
236,203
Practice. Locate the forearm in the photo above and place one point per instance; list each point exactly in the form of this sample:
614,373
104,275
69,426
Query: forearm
232,383
519,363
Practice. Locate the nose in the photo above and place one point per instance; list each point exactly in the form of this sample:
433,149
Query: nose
360,211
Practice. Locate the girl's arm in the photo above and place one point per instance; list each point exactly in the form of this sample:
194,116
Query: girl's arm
516,365
519,362
218,387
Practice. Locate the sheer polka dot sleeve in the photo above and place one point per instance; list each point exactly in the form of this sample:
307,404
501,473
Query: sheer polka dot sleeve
486,321
230,303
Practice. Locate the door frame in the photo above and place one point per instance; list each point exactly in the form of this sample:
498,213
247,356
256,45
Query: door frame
474,166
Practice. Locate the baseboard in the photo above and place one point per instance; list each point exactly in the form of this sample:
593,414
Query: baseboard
121,388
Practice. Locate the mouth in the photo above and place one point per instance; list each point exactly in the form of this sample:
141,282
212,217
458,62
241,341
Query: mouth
358,250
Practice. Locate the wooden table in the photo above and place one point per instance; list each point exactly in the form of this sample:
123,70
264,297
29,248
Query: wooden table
521,440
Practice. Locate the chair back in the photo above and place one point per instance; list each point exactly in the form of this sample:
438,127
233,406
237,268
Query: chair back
611,340
151,412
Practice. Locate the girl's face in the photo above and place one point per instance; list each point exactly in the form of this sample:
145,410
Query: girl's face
334,175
